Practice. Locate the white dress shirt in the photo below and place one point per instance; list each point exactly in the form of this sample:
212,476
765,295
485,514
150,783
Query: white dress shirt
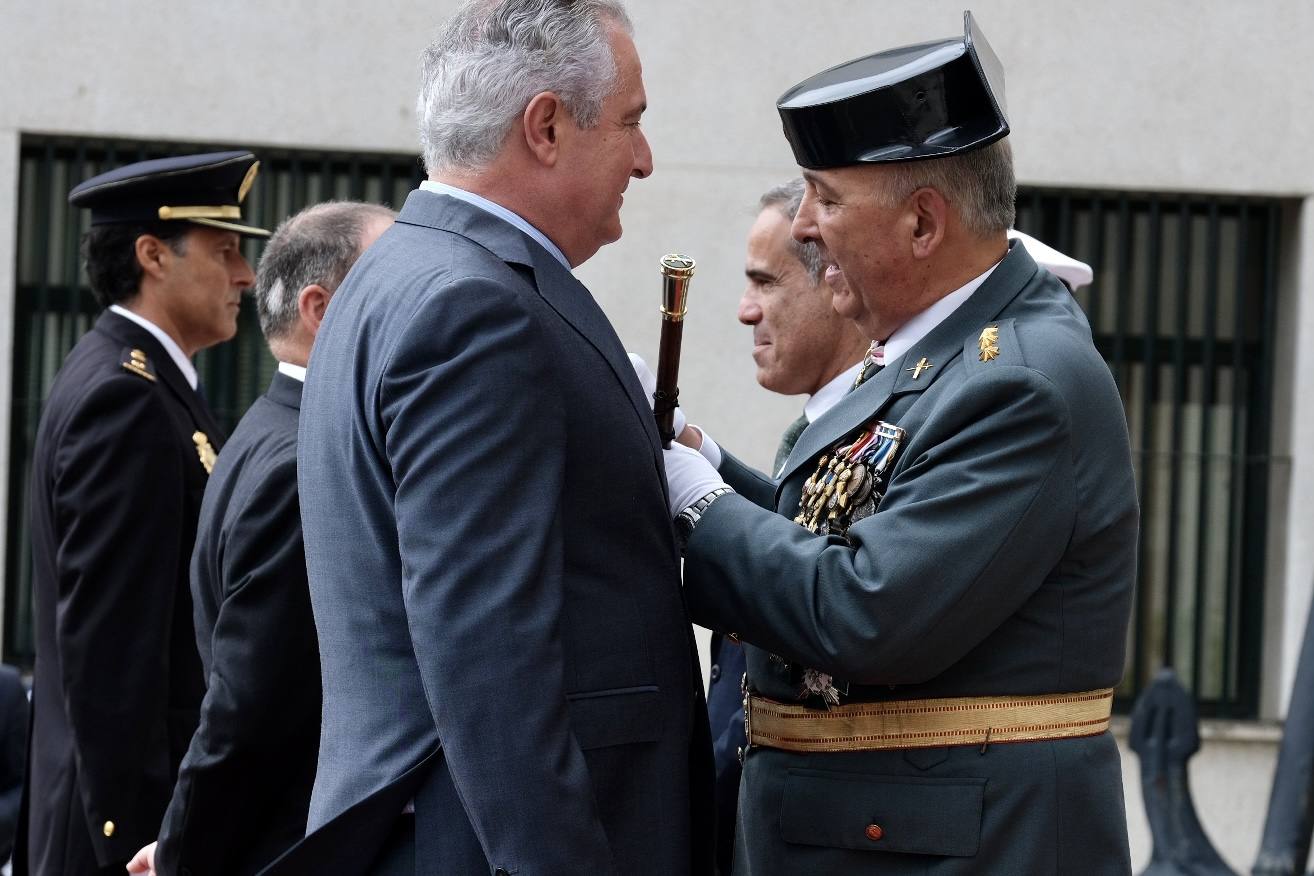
170,345
500,212
829,395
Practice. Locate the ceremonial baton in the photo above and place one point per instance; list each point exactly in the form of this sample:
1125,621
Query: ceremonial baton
677,270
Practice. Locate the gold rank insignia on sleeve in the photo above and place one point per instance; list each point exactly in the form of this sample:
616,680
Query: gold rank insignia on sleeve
138,365
205,451
989,343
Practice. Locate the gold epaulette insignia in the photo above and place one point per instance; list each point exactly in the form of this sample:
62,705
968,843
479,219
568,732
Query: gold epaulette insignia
205,451
138,365
989,343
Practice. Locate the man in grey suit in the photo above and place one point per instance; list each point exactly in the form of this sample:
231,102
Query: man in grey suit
510,679
935,594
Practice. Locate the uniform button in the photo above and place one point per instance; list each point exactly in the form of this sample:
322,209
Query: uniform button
874,832
109,828
716,672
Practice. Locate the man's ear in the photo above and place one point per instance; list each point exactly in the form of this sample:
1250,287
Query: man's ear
931,211
312,302
153,255
542,121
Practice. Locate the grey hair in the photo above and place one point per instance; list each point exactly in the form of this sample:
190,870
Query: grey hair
786,199
493,56
979,184
316,246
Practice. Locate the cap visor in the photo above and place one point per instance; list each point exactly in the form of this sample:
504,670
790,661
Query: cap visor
244,230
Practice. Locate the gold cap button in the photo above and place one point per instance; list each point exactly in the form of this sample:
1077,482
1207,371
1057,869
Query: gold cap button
109,828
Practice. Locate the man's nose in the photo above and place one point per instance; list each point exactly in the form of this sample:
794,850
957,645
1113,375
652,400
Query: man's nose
245,277
804,227
750,312
642,158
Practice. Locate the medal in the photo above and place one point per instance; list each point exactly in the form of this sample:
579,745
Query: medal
848,483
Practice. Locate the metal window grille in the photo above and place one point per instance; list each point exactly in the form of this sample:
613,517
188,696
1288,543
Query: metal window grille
1183,309
54,306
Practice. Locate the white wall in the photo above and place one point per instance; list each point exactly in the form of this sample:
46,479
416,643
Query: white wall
1209,96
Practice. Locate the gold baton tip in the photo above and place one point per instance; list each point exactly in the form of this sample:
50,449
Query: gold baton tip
676,265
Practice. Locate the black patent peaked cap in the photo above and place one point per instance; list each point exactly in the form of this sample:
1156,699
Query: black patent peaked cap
205,189
930,100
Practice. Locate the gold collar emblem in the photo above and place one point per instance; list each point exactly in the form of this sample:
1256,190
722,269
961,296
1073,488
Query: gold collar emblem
989,343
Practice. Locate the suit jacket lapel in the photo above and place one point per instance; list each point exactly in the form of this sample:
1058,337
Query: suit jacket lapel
128,333
941,346
554,283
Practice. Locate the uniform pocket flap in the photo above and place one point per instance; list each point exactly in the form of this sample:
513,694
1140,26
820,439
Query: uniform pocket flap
882,813
616,717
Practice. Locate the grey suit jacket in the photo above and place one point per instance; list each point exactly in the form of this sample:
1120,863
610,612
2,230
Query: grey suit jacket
1000,561
492,567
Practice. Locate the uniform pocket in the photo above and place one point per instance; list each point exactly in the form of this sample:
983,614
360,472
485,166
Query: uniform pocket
882,813
618,716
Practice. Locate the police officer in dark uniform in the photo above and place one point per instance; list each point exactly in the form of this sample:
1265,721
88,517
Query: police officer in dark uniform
123,451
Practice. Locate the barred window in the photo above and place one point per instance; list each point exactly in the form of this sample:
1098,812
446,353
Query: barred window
1183,309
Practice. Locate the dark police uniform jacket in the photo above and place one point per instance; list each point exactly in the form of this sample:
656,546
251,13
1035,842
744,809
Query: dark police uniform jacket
493,572
999,562
116,487
244,786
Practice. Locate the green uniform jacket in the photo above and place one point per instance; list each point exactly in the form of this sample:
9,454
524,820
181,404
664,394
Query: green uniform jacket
1000,562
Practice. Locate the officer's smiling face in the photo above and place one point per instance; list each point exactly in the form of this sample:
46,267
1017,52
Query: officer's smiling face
204,286
865,240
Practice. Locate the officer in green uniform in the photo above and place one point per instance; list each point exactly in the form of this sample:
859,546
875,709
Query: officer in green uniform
934,596
123,452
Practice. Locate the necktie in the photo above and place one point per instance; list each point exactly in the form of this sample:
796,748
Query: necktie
788,440
872,364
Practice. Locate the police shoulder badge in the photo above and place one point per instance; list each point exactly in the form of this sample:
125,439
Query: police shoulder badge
205,451
138,364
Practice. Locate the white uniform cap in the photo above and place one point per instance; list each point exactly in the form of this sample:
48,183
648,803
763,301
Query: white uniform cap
1075,273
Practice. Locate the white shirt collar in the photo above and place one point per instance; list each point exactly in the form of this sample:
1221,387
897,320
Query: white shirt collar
500,212
296,372
829,395
170,345
923,323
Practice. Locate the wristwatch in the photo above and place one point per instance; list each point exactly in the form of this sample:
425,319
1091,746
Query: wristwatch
687,519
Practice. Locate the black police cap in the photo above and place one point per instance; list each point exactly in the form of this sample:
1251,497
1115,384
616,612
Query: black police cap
205,189
930,100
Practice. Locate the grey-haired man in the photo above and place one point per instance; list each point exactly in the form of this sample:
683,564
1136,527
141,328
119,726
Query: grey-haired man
510,680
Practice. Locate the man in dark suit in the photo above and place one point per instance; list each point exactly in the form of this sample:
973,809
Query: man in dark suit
123,451
510,680
244,787
935,592
14,714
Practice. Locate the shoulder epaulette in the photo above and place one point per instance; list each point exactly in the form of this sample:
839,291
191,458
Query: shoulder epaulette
996,344
135,360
